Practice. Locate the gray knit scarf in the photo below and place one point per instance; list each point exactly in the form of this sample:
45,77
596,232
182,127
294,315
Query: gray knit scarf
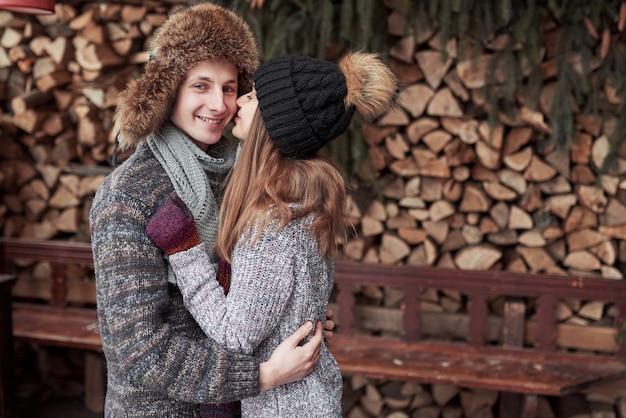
195,175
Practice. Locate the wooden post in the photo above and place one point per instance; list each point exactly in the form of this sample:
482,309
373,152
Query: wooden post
7,380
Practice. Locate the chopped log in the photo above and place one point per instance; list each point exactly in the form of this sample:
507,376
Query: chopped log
30,100
437,140
513,180
97,57
415,98
538,170
395,116
474,200
478,257
405,168
472,72
582,260
606,252
471,234
614,231
516,139
67,221
393,249
371,227
53,80
420,127
438,230
468,132
561,205
10,38
518,161
592,197
532,238
404,49
412,236
354,249
59,50
63,198
444,104
372,401
440,210
442,394
396,146
435,168
519,219
433,66
498,191
584,239
30,121
133,14
537,259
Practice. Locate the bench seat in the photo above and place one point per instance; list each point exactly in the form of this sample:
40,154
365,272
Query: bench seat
513,370
63,327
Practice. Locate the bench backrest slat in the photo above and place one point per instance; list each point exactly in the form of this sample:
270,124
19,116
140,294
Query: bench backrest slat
493,282
62,252
58,253
479,287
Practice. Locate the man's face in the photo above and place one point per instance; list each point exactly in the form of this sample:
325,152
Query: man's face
206,102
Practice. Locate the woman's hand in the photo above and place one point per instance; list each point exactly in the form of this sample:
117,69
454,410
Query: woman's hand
329,325
289,361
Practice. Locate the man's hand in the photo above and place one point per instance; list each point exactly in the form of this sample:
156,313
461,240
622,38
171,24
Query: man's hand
289,361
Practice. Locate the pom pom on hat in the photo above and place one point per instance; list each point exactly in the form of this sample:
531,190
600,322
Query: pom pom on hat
306,103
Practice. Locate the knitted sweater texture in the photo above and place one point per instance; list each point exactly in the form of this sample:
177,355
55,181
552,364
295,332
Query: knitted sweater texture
159,362
277,283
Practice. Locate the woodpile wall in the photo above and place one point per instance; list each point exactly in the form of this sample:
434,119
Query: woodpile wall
459,193
452,191
60,78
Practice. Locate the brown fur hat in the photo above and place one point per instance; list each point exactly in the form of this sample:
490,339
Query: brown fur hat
205,32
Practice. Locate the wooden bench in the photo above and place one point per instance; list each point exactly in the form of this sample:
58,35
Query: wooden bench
55,312
518,352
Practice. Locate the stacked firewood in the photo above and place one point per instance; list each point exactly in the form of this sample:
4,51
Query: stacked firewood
61,75
460,192
367,398
456,191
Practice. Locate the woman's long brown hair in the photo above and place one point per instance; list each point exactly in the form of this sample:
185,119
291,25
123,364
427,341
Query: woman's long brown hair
263,178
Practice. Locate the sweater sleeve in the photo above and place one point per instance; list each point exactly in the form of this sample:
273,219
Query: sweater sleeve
149,339
261,286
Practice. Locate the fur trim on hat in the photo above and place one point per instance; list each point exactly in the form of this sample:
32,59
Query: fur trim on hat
371,84
205,32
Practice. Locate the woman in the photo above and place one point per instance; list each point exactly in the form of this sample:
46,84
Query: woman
282,215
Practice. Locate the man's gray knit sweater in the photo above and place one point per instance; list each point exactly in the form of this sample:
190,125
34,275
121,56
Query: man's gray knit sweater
278,282
159,363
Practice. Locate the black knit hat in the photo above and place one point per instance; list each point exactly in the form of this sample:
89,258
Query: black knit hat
305,102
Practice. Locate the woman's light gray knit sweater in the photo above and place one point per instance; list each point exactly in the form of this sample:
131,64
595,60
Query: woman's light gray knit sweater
277,283
159,362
